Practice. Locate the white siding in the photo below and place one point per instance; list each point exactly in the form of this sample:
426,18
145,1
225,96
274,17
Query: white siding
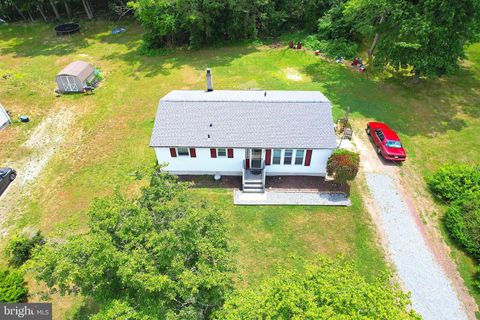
204,164
318,166
4,118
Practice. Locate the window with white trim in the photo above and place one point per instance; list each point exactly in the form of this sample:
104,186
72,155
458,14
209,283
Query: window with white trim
183,152
221,152
277,156
299,157
287,156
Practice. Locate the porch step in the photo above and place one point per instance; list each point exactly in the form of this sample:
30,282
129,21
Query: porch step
253,187
253,181
253,190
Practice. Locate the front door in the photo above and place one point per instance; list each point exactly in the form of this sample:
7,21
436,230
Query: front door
256,158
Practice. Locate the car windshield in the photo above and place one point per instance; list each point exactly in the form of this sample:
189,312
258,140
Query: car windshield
393,144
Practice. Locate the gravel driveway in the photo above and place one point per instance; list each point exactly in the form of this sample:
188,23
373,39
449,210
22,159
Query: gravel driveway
432,293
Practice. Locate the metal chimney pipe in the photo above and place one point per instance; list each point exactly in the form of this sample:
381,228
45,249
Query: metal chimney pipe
209,80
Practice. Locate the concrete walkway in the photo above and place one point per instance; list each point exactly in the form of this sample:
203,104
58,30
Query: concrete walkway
291,198
433,296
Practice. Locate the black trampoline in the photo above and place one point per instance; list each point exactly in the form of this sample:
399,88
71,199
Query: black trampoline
67,28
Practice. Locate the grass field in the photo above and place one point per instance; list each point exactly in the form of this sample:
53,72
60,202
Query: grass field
107,140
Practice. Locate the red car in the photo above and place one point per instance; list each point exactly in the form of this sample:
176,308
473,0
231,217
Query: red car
387,142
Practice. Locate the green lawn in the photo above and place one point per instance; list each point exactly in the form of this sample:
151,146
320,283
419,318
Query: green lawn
108,139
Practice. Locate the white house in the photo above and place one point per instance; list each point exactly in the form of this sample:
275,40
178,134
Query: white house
253,134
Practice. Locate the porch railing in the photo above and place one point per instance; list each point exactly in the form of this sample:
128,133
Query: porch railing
257,184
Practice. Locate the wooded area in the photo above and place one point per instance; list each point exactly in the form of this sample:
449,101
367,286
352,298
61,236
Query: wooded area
427,36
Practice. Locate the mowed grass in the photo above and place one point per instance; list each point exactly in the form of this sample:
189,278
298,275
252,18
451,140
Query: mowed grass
270,236
108,141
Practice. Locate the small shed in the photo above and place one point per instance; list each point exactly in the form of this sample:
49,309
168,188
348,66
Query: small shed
4,118
74,77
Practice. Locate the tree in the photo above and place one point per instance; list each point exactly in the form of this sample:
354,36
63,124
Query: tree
429,36
343,165
40,9
162,255
368,18
88,9
54,8
327,289
67,8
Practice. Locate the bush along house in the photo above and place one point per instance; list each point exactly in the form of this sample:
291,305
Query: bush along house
253,134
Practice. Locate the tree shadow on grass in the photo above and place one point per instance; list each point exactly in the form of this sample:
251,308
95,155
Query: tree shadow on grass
429,108
37,39
150,66
87,310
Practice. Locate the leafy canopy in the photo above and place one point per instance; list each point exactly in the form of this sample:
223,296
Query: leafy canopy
429,36
12,288
327,289
161,256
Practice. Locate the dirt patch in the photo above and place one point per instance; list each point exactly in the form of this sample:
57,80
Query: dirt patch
44,142
293,74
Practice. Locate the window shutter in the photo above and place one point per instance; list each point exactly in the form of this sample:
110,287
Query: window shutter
230,153
308,157
193,153
173,152
213,153
268,156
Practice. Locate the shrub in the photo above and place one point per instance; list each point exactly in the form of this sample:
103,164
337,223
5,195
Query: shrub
12,288
19,249
463,222
339,48
455,181
311,42
343,165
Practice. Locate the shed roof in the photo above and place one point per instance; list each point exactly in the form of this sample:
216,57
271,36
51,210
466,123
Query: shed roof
80,69
244,119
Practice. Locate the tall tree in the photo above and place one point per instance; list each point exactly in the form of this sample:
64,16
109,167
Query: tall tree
67,8
88,9
327,289
40,9
428,36
54,8
13,4
161,255
368,17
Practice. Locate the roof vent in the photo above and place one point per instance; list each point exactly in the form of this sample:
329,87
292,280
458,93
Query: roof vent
211,125
209,80
208,138
265,94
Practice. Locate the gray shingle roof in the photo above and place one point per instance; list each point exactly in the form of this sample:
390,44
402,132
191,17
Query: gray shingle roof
243,119
80,69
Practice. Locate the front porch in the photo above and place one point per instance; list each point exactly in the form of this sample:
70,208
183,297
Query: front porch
253,176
